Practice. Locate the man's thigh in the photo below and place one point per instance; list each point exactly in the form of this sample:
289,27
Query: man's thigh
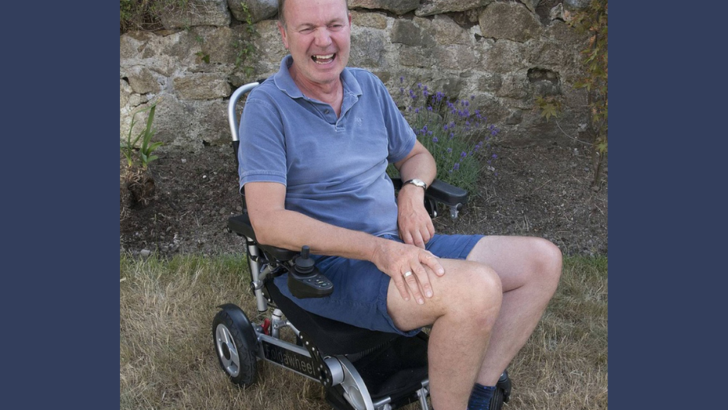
464,282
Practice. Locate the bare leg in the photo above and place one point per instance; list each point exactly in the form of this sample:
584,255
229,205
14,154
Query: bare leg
529,269
462,312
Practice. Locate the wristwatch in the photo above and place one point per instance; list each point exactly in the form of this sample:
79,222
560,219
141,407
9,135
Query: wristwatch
417,182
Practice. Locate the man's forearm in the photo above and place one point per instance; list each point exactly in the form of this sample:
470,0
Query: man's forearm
291,230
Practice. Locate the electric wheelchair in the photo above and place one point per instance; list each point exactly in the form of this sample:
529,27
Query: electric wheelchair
360,369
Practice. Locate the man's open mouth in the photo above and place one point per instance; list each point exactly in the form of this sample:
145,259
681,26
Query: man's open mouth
323,58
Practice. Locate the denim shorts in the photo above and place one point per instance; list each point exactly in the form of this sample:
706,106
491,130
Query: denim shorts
360,289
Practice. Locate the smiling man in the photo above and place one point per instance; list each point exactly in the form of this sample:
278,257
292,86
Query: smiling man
316,139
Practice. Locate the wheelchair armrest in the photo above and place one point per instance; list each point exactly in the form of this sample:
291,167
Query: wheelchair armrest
441,192
240,224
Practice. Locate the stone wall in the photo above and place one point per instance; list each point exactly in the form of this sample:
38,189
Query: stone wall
499,54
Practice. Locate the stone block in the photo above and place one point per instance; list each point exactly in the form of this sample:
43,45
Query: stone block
415,57
430,7
455,57
394,6
490,82
198,13
510,21
448,31
367,48
368,19
141,80
515,85
503,56
258,9
205,86
408,33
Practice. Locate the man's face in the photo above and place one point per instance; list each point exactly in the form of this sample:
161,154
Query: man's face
317,34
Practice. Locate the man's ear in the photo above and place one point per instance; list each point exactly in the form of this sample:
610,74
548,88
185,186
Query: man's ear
282,30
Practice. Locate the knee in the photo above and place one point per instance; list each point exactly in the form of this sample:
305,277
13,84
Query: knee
483,295
547,258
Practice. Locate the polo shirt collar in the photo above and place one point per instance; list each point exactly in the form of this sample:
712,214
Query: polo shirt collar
285,83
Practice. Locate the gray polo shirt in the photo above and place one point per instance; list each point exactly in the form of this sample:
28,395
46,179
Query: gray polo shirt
334,169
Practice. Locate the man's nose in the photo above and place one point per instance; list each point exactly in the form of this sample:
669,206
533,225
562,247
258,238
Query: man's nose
323,37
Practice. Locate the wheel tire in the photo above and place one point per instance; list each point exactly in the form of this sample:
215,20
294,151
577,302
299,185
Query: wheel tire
234,357
496,402
502,392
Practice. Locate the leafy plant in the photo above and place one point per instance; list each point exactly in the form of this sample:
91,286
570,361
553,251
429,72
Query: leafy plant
129,147
550,106
244,45
449,130
138,184
594,21
145,14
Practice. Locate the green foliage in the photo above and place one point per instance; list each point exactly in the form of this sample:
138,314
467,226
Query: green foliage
550,106
129,147
244,46
449,130
594,21
145,14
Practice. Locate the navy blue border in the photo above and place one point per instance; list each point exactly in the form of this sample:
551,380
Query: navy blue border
668,95
59,292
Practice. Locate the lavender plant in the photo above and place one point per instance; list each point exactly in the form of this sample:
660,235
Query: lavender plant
458,136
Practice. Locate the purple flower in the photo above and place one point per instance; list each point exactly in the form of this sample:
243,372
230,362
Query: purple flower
434,139
417,110
444,127
452,135
495,156
429,108
401,79
449,150
463,154
419,85
472,97
456,166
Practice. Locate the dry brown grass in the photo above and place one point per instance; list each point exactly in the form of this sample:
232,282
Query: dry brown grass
167,359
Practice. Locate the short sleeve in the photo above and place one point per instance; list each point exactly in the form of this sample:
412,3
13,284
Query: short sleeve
401,136
262,151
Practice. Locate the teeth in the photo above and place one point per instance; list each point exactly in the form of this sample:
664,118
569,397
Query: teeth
322,59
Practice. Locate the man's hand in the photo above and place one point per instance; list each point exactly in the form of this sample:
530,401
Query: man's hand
406,265
415,224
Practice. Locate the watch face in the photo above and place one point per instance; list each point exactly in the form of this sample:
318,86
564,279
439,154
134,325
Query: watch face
417,182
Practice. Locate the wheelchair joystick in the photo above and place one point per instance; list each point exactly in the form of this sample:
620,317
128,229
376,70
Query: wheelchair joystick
304,264
305,281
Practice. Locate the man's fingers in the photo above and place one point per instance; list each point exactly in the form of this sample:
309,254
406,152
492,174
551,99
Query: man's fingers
402,288
406,236
433,262
418,240
414,288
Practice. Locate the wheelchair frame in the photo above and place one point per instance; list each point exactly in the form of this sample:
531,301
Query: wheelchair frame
240,343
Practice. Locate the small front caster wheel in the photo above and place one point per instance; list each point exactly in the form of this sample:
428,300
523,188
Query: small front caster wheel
236,357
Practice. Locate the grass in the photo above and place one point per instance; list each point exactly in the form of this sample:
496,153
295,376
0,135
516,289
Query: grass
167,359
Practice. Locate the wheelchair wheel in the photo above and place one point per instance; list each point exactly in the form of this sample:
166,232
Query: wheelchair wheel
502,392
496,403
235,356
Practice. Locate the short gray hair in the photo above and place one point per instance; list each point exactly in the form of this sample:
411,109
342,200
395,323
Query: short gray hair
282,18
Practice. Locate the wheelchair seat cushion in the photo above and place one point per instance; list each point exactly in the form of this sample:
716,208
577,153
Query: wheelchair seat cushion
360,289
